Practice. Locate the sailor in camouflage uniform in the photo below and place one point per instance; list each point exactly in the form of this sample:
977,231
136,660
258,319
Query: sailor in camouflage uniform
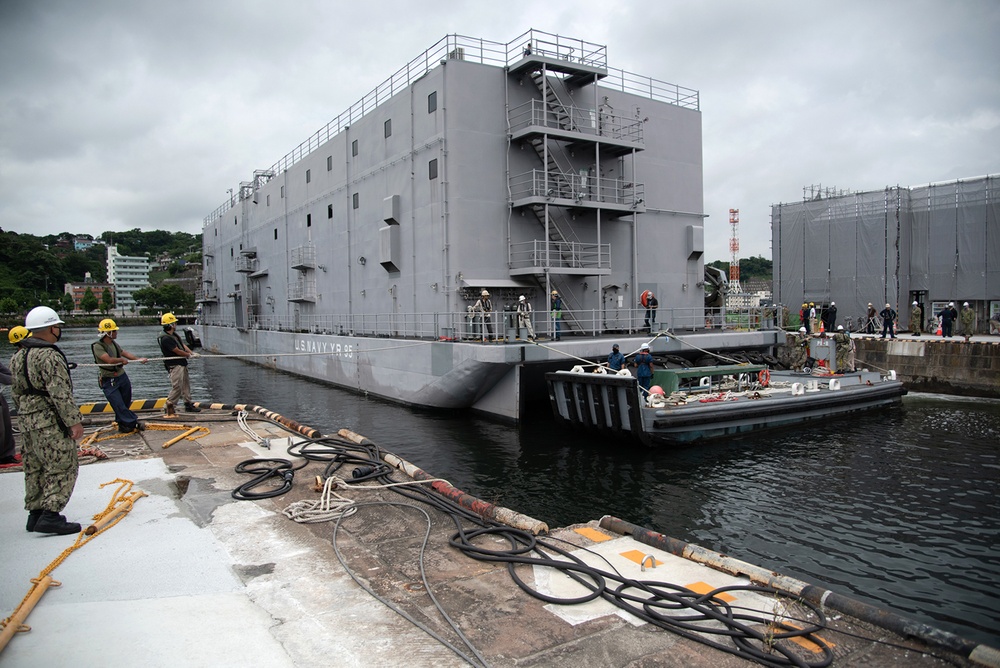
843,342
801,357
968,320
50,423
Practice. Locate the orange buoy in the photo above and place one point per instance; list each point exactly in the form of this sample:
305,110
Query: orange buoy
644,298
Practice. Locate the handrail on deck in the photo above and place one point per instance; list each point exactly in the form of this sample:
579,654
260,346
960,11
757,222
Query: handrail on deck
471,326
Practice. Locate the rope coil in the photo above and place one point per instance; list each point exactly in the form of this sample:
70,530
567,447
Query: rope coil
121,503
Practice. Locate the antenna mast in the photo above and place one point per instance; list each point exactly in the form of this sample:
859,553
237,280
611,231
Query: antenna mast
734,247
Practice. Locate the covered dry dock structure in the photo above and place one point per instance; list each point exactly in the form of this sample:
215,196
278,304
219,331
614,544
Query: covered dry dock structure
931,244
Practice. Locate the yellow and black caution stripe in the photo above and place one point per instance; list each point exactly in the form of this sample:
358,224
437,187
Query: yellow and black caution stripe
138,405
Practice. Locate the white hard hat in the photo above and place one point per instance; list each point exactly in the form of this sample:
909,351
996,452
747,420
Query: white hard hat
840,328
485,293
833,303
41,317
951,303
802,329
965,304
914,303
887,305
521,298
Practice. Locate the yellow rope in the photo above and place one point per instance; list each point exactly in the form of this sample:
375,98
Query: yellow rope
120,503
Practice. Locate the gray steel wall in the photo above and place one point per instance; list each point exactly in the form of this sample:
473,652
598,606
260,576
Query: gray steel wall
458,222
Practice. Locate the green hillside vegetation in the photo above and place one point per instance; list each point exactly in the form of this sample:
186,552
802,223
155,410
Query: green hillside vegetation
34,270
750,267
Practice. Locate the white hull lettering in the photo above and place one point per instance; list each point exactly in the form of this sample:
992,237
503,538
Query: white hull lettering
323,347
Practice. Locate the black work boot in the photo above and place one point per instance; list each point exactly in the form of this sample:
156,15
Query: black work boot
52,522
189,407
33,516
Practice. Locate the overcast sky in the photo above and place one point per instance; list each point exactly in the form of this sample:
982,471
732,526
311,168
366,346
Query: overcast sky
116,115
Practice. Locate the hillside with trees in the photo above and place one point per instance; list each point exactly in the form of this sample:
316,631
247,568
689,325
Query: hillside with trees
35,269
757,267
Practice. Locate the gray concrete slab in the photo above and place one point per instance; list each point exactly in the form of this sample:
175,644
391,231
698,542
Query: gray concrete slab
154,590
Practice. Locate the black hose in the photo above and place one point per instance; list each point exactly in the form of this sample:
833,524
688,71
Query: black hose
265,471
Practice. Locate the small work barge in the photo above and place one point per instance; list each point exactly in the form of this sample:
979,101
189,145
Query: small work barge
695,404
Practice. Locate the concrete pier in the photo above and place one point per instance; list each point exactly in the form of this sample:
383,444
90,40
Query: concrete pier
192,577
929,363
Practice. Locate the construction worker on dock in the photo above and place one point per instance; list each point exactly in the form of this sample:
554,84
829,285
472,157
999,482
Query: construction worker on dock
870,319
50,423
180,384
888,315
968,321
830,317
115,384
916,316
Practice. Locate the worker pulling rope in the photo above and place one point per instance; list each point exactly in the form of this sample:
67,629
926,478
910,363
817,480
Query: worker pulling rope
121,504
587,362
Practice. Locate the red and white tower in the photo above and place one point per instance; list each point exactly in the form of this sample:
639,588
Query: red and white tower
734,247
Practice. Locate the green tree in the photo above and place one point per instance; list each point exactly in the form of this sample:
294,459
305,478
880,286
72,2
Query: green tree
174,298
67,302
89,301
8,305
750,267
147,297
106,302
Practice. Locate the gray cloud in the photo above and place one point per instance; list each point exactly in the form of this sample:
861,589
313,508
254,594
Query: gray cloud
117,115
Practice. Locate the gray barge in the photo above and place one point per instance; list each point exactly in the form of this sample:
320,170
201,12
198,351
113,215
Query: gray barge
518,168
711,402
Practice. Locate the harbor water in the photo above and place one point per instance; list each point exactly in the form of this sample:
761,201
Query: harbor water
899,508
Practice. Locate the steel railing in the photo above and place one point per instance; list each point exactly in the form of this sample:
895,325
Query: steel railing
575,119
576,188
560,255
472,326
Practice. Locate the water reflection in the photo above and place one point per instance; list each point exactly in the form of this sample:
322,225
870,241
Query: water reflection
899,508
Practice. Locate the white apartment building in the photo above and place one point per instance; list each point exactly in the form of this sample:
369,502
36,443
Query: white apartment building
127,274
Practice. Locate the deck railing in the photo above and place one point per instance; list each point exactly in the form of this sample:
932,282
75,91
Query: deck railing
576,187
559,255
536,113
473,327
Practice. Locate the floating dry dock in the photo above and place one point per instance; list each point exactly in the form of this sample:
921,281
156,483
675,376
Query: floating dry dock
191,576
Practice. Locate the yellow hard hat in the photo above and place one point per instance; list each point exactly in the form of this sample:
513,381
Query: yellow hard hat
17,334
555,292
107,326
168,319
